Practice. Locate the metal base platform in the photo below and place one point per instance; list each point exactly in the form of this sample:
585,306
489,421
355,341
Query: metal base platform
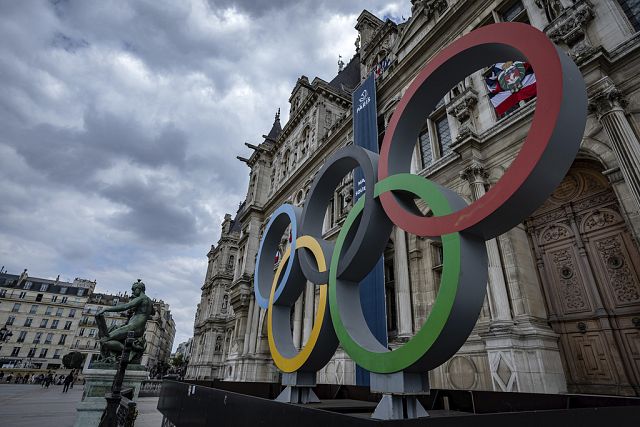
247,404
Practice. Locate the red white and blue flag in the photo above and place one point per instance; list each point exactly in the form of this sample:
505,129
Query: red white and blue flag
509,83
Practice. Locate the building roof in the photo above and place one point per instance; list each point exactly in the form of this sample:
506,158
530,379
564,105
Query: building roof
276,128
349,77
53,286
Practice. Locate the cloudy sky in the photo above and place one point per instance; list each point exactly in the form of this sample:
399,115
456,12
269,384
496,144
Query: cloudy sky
120,123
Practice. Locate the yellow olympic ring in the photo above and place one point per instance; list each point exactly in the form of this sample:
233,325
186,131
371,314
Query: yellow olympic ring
292,364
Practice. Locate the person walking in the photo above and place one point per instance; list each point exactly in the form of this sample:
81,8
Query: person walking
67,381
48,380
73,378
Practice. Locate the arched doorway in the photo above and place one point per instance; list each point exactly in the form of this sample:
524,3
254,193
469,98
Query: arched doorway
589,266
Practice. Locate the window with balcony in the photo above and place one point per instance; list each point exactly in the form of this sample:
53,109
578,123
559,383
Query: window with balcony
43,323
43,353
72,312
67,325
48,311
81,332
28,321
34,309
56,355
54,298
65,299
22,336
37,338
54,324
48,339
32,352
16,307
92,332
22,295
39,297
10,320
15,352
59,312
63,338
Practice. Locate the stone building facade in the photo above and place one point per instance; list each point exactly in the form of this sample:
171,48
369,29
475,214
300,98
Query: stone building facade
43,316
562,311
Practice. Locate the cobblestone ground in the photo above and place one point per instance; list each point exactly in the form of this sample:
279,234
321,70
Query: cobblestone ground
34,406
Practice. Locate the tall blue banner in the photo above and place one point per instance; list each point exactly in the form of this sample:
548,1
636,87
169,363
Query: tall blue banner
365,134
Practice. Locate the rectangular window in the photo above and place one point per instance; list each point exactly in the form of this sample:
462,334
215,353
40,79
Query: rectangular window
37,338
32,352
10,320
80,292
72,312
631,8
62,339
3,293
48,339
39,297
28,285
59,312
92,332
48,311
54,298
44,287
63,290
425,148
43,323
515,13
56,355
444,135
28,321
81,332
67,325
22,295
65,299
77,344
43,353
54,324
15,352
34,309
22,336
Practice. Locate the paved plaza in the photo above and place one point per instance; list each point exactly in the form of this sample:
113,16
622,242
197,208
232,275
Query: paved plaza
34,406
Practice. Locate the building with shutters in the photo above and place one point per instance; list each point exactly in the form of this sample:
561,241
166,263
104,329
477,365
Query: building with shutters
562,311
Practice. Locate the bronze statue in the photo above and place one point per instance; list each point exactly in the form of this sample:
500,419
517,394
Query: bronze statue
112,339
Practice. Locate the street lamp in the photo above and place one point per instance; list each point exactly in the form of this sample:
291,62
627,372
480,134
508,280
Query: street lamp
5,334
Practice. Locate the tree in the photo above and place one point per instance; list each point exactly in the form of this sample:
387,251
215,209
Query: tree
178,361
73,360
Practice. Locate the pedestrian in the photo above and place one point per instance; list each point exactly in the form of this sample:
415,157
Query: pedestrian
9,378
73,378
1,375
25,380
48,380
67,381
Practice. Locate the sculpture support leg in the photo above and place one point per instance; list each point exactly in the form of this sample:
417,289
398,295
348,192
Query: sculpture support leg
299,388
400,395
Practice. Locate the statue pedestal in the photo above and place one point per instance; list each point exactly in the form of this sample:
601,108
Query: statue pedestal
98,381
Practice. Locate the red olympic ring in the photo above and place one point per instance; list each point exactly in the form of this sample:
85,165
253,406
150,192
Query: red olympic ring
548,150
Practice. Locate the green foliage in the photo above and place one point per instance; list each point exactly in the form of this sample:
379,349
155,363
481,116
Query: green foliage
178,361
73,360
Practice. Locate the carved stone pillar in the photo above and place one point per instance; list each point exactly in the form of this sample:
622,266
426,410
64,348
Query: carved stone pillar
297,324
247,328
403,289
309,294
608,104
253,328
498,297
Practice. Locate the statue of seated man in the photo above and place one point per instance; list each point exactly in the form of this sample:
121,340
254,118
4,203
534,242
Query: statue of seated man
112,339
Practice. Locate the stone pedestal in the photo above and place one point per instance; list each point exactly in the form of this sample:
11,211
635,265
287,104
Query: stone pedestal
98,381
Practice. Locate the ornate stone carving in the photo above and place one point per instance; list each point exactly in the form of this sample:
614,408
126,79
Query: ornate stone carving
572,295
462,105
605,98
428,7
599,219
552,8
569,28
474,173
621,279
554,233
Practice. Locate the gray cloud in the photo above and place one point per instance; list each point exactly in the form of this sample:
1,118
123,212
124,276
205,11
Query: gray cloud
120,123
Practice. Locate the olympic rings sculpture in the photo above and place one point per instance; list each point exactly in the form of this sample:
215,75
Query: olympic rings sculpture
337,267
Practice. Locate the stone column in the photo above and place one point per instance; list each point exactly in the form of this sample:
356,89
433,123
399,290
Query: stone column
253,334
498,297
608,104
247,331
403,289
309,311
297,324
